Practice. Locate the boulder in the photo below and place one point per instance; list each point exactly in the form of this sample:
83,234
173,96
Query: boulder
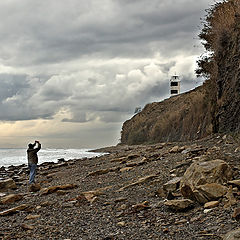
7,184
202,173
179,205
11,198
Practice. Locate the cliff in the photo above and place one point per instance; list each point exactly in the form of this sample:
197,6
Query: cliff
211,108
182,117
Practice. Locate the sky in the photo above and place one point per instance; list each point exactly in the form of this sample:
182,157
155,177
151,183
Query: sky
71,72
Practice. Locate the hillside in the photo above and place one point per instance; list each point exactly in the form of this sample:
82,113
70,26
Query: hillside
211,108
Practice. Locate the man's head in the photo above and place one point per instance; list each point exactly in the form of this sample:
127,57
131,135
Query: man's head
30,146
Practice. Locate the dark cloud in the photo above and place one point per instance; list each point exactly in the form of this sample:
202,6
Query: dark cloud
53,32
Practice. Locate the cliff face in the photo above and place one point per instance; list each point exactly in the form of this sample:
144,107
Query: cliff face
213,107
228,85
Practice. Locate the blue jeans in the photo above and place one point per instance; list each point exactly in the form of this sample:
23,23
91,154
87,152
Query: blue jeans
32,168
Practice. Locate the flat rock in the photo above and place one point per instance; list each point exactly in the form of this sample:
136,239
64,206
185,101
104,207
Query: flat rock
211,204
52,189
179,205
125,169
11,198
14,210
30,217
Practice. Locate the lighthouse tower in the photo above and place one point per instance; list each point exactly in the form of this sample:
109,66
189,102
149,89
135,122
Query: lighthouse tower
174,85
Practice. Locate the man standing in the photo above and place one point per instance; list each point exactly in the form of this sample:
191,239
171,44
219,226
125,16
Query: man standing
33,159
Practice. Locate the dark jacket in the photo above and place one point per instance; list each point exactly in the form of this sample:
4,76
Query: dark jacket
32,154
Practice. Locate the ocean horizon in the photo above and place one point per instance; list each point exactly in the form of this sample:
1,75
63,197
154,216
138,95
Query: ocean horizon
18,156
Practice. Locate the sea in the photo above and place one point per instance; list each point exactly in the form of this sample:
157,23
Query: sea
17,156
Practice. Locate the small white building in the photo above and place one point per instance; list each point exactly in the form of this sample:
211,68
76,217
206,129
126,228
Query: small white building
174,85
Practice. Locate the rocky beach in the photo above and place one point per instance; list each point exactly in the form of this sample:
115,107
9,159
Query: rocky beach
133,192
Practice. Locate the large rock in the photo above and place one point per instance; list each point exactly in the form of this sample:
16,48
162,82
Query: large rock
7,184
202,173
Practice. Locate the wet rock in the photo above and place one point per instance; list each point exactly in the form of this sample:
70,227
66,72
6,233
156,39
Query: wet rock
7,184
11,198
180,204
201,173
232,235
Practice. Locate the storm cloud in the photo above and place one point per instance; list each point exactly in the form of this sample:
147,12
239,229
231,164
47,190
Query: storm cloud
94,61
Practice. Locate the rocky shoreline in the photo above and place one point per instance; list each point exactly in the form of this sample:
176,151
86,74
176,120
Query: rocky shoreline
134,192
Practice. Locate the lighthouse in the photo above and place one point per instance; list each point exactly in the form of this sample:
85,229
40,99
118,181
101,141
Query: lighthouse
174,85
